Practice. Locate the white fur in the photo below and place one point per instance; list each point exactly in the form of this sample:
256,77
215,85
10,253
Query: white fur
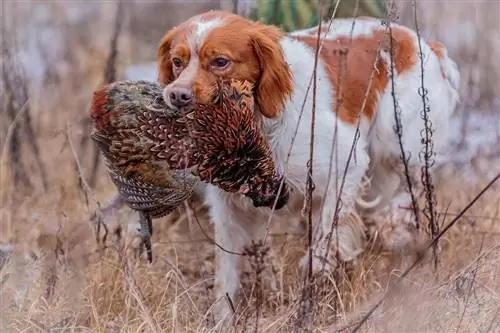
342,27
201,30
237,221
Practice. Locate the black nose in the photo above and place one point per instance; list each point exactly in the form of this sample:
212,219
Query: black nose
181,96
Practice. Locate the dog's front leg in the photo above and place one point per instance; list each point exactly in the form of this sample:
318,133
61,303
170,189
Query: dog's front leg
236,224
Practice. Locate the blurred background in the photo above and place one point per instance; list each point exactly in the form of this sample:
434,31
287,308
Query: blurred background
55,53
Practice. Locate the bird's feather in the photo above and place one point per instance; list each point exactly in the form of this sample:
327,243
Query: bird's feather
156,155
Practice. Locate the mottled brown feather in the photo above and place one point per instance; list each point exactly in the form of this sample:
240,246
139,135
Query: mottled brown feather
156,155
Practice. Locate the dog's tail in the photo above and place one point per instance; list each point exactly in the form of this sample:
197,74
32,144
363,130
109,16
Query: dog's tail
449,67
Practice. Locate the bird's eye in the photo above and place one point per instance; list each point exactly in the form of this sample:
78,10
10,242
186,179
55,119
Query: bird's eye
220,63
177,62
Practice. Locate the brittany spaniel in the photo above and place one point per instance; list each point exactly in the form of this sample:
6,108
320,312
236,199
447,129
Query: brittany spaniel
354,121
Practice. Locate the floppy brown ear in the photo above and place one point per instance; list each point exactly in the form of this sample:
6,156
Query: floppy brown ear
165,73
275,84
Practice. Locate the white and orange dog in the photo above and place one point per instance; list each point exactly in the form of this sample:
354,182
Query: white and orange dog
355,89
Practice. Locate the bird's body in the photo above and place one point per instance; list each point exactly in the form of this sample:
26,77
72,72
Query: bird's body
156,155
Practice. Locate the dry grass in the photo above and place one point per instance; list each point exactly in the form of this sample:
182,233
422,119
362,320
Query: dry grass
54,276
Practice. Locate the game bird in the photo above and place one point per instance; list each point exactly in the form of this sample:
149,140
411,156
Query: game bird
156,154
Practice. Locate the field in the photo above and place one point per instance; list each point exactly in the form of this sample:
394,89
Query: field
59,272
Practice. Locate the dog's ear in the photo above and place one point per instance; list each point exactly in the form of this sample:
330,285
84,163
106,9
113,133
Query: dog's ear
275,84
165,73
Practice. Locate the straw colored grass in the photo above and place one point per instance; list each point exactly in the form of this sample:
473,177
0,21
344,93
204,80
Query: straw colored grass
55,275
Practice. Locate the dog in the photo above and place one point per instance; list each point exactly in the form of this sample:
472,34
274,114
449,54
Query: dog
354,120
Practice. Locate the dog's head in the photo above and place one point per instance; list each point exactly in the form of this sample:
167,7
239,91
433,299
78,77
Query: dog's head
220,45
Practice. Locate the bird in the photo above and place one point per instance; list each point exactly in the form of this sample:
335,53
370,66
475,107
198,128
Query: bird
235,154
156,154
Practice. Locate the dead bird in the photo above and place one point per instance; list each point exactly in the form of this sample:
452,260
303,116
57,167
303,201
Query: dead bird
156,155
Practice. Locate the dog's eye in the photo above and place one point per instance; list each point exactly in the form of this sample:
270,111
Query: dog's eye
220,62
177,62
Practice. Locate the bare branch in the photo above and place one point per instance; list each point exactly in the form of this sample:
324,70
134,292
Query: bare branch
210,238
87,191
399,127
427,154
109,77
306,307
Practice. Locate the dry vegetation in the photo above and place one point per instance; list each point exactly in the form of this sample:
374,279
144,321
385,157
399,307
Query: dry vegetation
58,274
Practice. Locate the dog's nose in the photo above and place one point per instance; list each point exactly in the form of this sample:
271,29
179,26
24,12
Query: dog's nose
181,96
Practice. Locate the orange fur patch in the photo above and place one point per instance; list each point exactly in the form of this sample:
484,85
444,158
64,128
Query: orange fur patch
440,50
350,64
437,47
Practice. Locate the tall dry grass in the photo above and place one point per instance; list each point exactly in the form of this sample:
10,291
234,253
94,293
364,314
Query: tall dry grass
56,274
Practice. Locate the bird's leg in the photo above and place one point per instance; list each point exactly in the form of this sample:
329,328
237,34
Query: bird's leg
146,232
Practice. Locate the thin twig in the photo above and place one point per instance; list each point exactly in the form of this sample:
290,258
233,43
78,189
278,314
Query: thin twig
109,77
230,303
208,236
87,190
11,128
296,130
428,153
306,307
338,202
53,276
399,127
